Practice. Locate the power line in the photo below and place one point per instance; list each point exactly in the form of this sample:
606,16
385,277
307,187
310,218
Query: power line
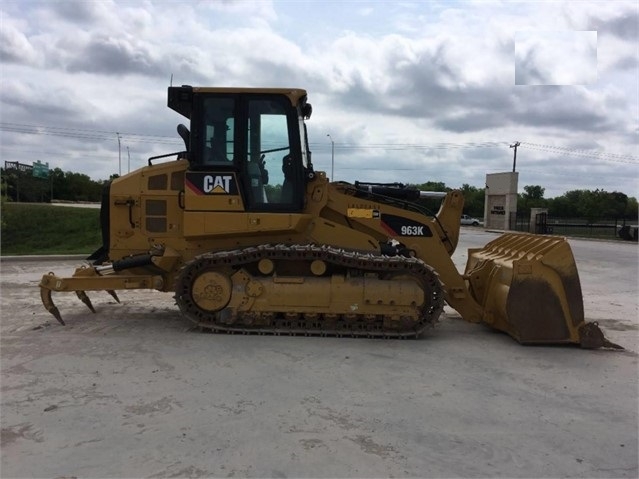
576,150
408,146
555,173
104,135
84,134
136,137
60,128
592,154
58,154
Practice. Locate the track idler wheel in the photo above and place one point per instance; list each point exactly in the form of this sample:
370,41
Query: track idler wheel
211,291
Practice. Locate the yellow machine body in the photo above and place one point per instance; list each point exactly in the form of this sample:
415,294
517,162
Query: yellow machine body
256,241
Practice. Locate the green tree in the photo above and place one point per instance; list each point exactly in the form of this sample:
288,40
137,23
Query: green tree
59,187
632,208
614,204
81,187
593,205
534,192
533,197
572,204
433,186
562,207
22,186
3,199
431,205
65,185
474,199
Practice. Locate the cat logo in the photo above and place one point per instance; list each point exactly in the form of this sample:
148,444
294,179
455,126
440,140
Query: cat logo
210,183
217,184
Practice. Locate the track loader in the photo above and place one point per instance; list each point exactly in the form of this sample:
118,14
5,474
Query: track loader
251,239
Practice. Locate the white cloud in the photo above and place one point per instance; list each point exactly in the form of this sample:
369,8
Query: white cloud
378,73
555,57
15,47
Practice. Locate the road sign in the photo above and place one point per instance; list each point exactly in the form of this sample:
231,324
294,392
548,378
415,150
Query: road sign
40,170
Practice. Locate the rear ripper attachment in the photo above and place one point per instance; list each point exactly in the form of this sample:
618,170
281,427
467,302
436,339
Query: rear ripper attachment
107,277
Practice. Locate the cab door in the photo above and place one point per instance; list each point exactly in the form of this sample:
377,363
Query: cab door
273,171
245,166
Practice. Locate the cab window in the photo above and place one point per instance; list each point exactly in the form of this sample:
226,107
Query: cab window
271,167
219,131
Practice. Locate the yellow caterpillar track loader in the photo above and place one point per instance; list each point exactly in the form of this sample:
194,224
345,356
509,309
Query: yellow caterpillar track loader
251,239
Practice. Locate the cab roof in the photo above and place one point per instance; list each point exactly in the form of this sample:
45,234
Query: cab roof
180,98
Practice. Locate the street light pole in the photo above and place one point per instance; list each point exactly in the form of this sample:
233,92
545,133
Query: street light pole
119,156
129,164
332,157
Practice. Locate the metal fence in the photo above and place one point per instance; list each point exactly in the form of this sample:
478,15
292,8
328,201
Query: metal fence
604,227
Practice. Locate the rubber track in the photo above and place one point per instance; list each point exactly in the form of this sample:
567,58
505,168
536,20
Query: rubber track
229,260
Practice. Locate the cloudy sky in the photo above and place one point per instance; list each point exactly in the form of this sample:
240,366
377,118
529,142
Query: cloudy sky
410,91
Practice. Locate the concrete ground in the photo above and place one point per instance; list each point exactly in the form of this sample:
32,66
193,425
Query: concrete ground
134,392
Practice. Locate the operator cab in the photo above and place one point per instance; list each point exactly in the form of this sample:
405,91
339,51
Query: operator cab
256,136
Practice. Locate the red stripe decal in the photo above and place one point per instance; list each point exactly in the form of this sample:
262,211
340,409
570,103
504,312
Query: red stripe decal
388,229
192,187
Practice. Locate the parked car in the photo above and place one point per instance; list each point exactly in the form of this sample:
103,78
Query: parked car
469,220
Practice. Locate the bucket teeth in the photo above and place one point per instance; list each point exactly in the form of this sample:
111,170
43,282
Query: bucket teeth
85,299
592,337
47,301
112,293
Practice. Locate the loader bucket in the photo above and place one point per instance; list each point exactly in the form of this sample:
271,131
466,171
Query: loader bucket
529,288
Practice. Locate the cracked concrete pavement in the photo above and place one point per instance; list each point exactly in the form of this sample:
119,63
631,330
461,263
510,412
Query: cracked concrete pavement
134,391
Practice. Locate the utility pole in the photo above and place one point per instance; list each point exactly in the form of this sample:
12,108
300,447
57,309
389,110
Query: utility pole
129,164
332,157
119,156
515,156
